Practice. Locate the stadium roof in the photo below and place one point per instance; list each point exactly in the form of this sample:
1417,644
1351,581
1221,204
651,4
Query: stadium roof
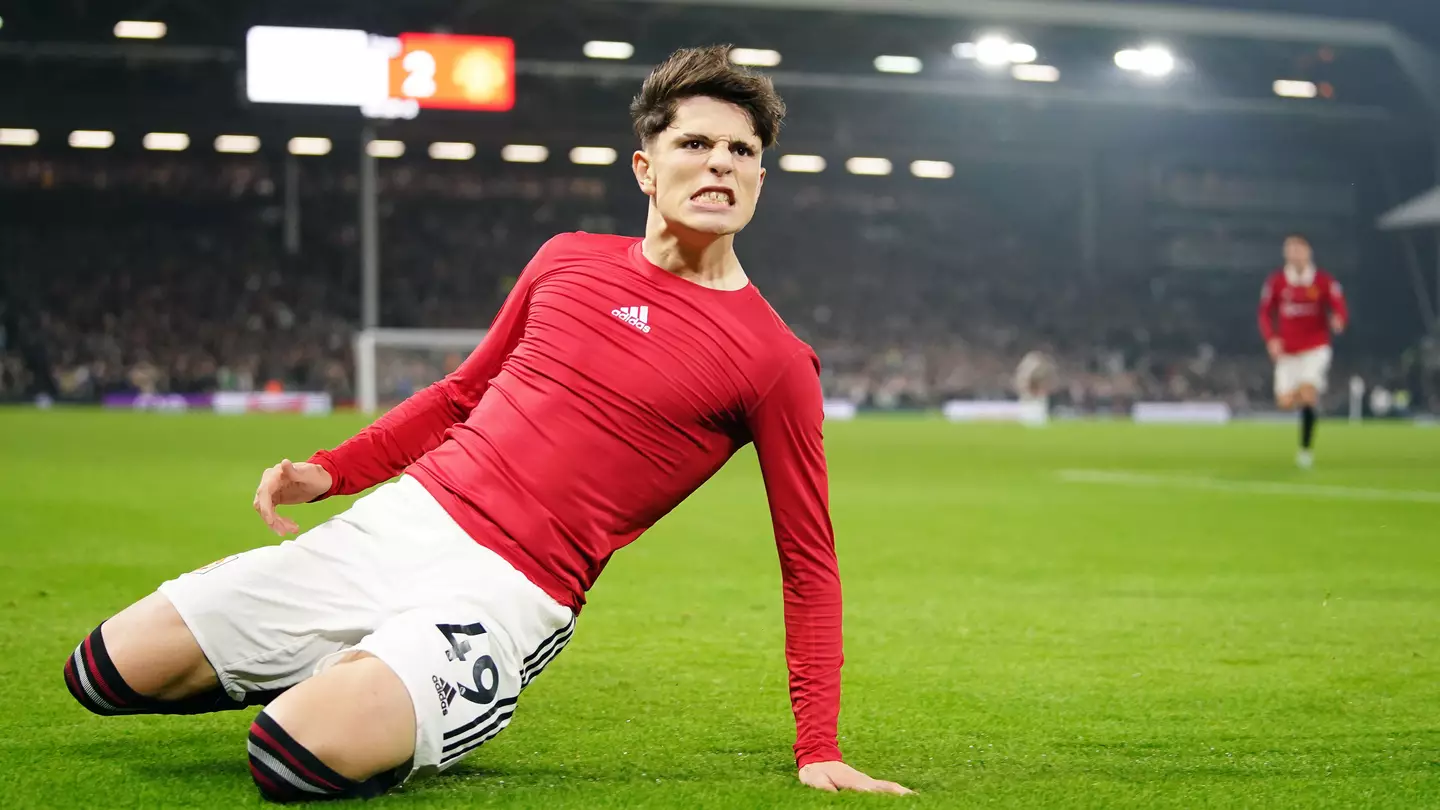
1420,212
1144,17
1419,62
66,69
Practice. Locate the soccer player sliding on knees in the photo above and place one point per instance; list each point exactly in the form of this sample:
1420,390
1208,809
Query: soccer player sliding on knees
620,374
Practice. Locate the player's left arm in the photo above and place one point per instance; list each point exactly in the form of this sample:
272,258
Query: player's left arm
1339,309
787,428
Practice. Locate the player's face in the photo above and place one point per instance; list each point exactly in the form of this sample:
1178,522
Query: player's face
703,173
1297,252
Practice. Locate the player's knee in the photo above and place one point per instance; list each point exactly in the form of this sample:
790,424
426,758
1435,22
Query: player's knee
346,733
286,770
151,644
93,681
125,667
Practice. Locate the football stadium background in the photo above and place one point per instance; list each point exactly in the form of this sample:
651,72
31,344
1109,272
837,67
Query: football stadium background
203,223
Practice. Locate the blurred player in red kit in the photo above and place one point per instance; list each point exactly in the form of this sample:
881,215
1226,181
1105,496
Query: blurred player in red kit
620,374
1300,306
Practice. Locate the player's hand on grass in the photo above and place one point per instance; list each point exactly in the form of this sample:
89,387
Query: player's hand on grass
288,483
1276,347
836,776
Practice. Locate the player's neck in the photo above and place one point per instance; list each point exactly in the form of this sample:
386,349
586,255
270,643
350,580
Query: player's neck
708,261
1301,274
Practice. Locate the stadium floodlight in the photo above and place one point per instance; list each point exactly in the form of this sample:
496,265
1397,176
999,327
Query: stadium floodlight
932,169
592,155
139,29
19,137
237,144
309,146
385,149
1156,61
452,150
1295,88
898,64
993,51
524,153
92,139
805,164
604,49
868,165
1036,73
1152,60
166,141
755,57
964,50
1021,53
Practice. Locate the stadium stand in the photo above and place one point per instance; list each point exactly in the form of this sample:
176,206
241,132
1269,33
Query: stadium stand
1126,235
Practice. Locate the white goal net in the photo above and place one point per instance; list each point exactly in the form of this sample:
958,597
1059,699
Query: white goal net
392,364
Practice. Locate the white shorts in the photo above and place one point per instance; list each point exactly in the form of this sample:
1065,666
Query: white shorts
394,576
1303,368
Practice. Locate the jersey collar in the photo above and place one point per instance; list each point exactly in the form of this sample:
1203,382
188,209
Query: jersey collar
1302,277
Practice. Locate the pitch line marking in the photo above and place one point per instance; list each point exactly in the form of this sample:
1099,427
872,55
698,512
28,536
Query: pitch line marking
1136,479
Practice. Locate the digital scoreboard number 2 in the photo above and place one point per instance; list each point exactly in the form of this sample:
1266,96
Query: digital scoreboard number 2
444,71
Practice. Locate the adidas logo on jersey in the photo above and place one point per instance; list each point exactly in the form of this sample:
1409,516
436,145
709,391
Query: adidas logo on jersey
638,317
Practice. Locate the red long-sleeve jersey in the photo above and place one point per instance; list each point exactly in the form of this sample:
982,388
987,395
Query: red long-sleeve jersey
606,391
1301,303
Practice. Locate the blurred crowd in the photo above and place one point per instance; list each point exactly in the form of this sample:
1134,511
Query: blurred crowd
161,274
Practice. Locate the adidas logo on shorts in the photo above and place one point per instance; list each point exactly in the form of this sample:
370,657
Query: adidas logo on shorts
445,692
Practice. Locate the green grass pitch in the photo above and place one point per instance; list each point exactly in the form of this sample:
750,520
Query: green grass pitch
1086,615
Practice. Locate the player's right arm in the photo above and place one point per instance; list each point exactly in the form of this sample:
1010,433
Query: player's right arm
408,431
1269,311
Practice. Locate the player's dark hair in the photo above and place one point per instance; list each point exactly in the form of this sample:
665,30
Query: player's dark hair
706,72
1297,235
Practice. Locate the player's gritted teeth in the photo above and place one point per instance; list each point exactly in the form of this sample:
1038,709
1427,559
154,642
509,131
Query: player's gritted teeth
717,196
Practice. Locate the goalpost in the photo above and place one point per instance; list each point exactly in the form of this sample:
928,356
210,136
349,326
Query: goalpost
392,364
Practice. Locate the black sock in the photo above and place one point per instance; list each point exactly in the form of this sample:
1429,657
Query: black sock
1307,426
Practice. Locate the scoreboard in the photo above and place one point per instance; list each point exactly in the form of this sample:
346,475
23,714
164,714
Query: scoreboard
454,72
384,77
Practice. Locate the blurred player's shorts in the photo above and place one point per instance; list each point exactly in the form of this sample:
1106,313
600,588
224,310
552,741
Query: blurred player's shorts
394,576
1303,368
